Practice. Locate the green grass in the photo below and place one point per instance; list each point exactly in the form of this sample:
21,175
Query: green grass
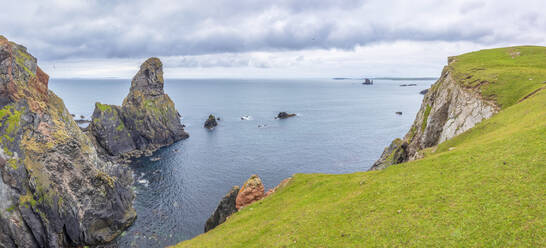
511,73
488,191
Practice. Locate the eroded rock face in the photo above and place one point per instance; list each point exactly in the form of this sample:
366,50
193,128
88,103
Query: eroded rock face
252,190
448,109
55,190
146,121
225,208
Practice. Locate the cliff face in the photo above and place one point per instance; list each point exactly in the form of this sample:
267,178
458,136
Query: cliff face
146,121
55,191
448,109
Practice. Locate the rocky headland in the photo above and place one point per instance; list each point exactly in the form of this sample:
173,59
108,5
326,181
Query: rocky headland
55,190
448,109
146,121
238,198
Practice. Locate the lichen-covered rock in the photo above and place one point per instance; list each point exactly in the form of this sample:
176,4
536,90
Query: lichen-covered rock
252,190
210,123
110,130
146,121
55,191
225,208
448,109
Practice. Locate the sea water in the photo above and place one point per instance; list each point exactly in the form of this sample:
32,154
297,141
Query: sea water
341,126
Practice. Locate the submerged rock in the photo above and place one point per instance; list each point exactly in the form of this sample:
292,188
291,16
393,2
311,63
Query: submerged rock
55,191
210,123
252,190
146,121
225,208
284,115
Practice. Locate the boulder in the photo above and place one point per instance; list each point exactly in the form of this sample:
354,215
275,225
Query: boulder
210,123
146,121
225,208
284,115
423,91
55,190
252,190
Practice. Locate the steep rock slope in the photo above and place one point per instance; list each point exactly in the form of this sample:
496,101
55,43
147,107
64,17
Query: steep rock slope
472,87
54,191
146,121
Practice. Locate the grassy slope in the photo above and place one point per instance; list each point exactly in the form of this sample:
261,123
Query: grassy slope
488,191
511,72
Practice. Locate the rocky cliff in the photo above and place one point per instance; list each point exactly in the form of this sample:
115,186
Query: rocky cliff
448,109
55,190
225,208
146,121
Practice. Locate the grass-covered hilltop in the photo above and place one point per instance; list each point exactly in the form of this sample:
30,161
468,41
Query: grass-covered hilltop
484,187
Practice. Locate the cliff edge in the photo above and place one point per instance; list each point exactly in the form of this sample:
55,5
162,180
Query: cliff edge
472,87
55,190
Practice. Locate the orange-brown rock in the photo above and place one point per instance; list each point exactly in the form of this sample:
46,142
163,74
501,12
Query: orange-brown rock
252,190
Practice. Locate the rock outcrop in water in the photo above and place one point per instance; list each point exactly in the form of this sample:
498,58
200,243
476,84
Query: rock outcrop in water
284,115
146,121
210,123
448,109
225,208
55,191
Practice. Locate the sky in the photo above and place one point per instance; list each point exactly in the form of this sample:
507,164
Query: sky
265,39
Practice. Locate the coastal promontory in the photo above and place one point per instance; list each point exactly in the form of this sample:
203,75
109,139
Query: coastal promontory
55,191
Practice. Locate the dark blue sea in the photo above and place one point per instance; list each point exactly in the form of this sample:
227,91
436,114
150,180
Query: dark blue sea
341,126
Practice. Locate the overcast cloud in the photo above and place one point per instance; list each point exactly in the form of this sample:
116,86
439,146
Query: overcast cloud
244,38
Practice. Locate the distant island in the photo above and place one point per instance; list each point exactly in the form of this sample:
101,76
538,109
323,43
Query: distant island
389,78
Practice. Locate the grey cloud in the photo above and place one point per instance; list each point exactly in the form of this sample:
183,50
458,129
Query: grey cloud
127,29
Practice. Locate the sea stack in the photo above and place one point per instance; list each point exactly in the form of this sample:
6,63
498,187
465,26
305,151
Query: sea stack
146,121
211,122
54,189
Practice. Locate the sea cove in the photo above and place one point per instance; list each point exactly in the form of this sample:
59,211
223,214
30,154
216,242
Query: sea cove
341,127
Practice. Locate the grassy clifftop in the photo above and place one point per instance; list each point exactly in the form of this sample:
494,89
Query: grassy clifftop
504,75
482,188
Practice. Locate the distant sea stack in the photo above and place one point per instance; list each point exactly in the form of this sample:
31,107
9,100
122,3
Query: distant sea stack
367,81
146,121
55,191
448,109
